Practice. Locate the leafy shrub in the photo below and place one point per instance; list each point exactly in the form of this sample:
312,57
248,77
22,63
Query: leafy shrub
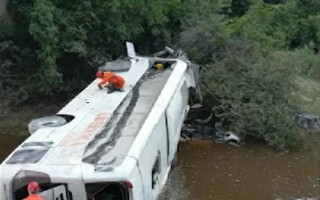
251,95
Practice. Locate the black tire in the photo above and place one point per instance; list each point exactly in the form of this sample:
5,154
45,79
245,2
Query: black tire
45,122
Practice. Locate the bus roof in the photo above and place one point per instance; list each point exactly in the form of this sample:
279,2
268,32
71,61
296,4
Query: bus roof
92,110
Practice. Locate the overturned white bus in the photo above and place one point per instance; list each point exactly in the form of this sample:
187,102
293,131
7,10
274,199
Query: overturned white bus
116,146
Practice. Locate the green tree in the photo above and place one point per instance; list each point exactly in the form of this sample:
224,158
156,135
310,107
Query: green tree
58,34
239,7
46,34
203,32
283,25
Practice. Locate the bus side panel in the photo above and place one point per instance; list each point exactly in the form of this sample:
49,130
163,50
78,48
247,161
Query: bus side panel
77,190
153,161
137,190
176,113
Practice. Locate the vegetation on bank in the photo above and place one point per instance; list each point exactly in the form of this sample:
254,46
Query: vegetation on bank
253,53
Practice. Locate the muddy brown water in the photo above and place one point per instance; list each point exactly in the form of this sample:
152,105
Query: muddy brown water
222,172
8,143
253,172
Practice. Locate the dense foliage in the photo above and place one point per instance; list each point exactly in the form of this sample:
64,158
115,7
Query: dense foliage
252,52
288,25
251,95
66,40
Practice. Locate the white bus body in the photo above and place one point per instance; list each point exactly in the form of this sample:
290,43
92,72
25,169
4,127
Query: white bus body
115,146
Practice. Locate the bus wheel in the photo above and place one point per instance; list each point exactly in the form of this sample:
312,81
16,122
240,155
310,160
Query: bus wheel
44,122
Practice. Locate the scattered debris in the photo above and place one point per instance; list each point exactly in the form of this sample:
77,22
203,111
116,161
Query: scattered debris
307,121
200,128
227,137
199,131
183,138
205,121
195,106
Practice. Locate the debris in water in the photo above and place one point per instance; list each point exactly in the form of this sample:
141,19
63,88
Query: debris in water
195,106
227,137
205,121
197,131
307,121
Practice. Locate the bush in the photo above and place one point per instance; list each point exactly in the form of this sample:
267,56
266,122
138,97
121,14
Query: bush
251,95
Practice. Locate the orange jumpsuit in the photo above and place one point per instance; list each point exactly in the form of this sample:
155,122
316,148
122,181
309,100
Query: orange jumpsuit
33,197
113,79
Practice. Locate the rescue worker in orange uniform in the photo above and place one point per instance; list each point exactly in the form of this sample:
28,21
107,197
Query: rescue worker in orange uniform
33,190
110,80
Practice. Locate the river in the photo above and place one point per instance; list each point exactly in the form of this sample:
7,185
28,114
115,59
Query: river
8,143
222,172
253,172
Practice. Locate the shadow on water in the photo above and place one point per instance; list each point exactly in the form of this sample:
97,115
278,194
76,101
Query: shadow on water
222,172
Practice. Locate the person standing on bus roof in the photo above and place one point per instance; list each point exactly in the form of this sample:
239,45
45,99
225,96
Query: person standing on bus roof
33,190
112,81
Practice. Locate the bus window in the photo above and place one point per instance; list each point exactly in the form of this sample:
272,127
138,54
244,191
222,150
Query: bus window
106,191
156,170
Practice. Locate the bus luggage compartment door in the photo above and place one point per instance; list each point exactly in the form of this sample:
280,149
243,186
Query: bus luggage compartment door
56,193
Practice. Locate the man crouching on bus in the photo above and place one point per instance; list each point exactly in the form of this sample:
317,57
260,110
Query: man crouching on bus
33,190
110,80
